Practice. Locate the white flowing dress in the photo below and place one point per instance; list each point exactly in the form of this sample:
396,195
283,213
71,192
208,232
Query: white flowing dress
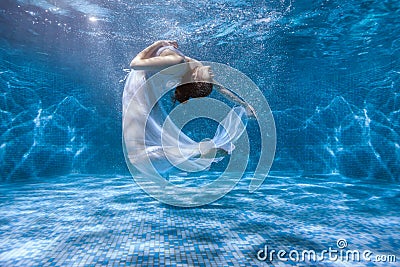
153,144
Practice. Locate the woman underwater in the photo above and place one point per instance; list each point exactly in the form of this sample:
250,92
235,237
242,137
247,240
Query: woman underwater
153,149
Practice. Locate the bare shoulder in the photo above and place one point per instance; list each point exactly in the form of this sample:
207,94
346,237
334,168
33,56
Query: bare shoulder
158,62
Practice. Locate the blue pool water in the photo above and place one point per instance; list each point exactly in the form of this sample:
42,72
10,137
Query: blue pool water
330,71
108,220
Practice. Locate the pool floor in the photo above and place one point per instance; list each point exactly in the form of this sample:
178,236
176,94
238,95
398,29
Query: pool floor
108,220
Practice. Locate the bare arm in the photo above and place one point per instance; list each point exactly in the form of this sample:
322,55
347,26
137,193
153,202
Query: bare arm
145,61
193,62
232,97
229,95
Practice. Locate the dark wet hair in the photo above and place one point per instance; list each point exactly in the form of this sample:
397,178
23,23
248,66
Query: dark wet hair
186,91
